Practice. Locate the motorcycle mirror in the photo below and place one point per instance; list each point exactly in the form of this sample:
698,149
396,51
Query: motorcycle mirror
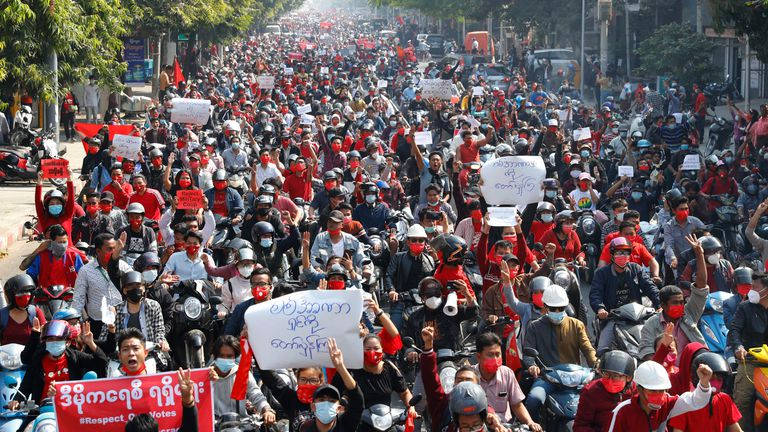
11,382
531,352
28,225
408,342
415,400
215,300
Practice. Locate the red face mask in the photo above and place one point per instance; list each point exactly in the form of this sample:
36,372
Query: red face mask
476,214
336,285
193,249
92,209
22,300
681,215
716,383
613,386
220,185
106,208
538,299
372,358
655,400
304,392
93,150
743,289
185,183
140,189
621,260
491,365
583,185
117,179
336,147
495,259
135,223
676,311
260,293
567,159
416,248
264,159
180,144
330,185
157,162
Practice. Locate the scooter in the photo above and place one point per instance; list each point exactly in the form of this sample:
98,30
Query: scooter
23,162
53,298
563,401
589,232
629,320
12,421
12,373
383,418
715,92
194,316
758,357
720,133
712,325
726,229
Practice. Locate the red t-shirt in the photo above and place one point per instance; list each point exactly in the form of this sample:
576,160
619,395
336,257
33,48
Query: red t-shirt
54,370
15,332
724,413
469,153
220,203
152,201
639,255
298,187
538,229
121,193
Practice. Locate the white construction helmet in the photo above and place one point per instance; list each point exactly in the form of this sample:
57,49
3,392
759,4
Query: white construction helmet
652,376
416,231
555,296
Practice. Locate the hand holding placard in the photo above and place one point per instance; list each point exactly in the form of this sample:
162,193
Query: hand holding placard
55,168
191,199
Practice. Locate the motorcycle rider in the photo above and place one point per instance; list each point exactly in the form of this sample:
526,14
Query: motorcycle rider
261,290
93,223
54,208
270,250
599,398
188,264
372,213
639,255
406,269
237,274
225,201
564,237
153,202
335,242
121,189
156,285
17,320
719,272
759,244
558,339
677,229
137,237
54,262
742,280
721,184
106,205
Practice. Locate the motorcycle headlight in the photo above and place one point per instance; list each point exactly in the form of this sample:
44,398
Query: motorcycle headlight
717,305
562,279
588,226
381,423
10,360
193,308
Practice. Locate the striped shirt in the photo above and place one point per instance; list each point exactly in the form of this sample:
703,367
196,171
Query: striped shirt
93,284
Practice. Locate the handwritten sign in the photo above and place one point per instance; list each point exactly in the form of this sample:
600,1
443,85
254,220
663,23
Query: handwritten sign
55,168
691,163
307,119
299,327
502,216
381,83
126,146
513,180
626,171
189,199
266,82
477,91
582,134
324,69
105,405
423,138
288,71
304,109
195,111
436,88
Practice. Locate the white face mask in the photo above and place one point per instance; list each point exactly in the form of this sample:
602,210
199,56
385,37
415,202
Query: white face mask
434,302
149,276
245,271
713,259
753,296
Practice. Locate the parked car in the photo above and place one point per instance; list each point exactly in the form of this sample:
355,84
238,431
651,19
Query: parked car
436,44
562,59
495,74
272,28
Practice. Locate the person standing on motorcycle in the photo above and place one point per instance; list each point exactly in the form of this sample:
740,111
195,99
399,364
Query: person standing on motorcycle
599,398
18,318
54,262
720,185
54,208
137,237
652,406
559,339
150,199
618,284
677,229
406,269
759,244
564,237
719,271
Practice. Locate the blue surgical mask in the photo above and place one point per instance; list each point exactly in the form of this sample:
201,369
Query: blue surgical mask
55,209
370,199
224,364
325,411
429,230
56,348
637,196
728,160
546,218
584,154
266,242
556,317
550,193
683,146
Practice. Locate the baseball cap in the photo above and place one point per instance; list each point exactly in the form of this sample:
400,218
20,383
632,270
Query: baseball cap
326,390
336,216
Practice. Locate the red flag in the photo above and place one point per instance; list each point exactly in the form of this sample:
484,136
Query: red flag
410,424
400,20
178,75
91,129
240,386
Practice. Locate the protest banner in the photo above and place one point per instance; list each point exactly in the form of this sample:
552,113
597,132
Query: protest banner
477,91
304,109
381,83
288,71
189,199
307,119
626,171
55,168
266,82
691,163
423,138
502,216
299,326
126,146
514,180
436,88
324,70
582,134
195,111
106,405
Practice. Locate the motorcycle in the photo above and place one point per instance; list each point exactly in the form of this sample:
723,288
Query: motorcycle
23,163
720,133
194,316
629,320
12,421
224,232
383,418
716,92
53,298
589,232
726,229
712,325
563,401
758,356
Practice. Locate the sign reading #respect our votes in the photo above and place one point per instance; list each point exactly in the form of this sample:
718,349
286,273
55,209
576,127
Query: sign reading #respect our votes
194,111
513,180
292,331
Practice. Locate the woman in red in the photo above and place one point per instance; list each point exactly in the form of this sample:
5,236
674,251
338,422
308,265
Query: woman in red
565,239
17,318
55,208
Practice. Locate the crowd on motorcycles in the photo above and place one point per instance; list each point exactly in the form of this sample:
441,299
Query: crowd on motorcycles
630,302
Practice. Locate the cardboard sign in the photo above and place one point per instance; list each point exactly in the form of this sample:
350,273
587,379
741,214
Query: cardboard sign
436,88
266,82
55,168
288,71
626,171
307,119
304,109
105,405
126,146
477,91
582,134
194,111
299,327
691,163
502,216
381,84
562,115
513,180
324,70
189,199
423,138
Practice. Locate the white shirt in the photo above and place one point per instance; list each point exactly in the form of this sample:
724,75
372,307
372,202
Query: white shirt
583,200
263,173
338,248
235,291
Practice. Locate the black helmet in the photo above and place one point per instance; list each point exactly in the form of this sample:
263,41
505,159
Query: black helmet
618,362
451,248
539,284
545,206
220,175
237,243
715,361
131,277
710,244
338,270
267,189
18,284
262,228
504,150
742,276
563,216
147,259
550,183
672,195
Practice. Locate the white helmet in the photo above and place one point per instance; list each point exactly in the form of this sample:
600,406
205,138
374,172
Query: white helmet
232,125
416,231
555,296
652,376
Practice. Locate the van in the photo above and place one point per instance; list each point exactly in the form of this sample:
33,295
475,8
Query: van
482,39
272,28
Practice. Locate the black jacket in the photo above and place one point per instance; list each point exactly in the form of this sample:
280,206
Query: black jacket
400,267
748,328
448,329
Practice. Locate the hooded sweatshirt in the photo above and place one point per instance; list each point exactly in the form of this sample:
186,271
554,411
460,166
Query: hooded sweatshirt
681,380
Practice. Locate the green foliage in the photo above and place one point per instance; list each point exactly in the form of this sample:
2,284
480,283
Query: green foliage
547,17
676,51
748,18
475,9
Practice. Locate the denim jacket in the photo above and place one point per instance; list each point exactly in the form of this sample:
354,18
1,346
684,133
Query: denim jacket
322,249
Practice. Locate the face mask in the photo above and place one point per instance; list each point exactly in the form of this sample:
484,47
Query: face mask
135,223
713,259
372,358
55,209
325,411
476,214
584,154
621,260
334,232
265,242
117,179
264,159
149,276
74,331
655,400
613,386
416,248
304,392
491,365
220,185
637,196
185,183
370,199
743,289
575,173
546,218
583,185
433,302
567,228
556,317
192,250
134,295
550,193
224,364
330,185
204,160
716,383
620,216
676,311
354,164
681,215
260,293
729,160
92,209
58,249
245,271
753,296
22,300
336,147
336,285
235,146
683,147
56,348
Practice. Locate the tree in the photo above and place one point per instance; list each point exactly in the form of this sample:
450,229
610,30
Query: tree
546,17
674,50
748,18
84,33
476,9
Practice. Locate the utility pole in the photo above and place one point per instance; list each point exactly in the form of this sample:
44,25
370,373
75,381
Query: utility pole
626,30
748,79
604,16
52,108
490,34
582,66
699,19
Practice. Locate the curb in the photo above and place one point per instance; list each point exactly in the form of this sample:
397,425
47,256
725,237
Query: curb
10,236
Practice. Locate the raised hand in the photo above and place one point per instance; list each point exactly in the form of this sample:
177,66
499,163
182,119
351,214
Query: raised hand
185,385
87,336
337,358
428,336
669,334
694,243
36,326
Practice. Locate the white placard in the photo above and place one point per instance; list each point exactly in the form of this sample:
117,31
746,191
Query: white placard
324,69
502,216
477,91
195,111
382,83
292,330
288,71
626,171
304,109
582,134
307,119
473,121
562,115
266,82
513,180
436,88
126,146
691,163
678,117
423,138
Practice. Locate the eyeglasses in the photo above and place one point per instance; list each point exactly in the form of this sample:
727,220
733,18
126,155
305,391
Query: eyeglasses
556,309
312,381
623,252
261,284
473,428
417,240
